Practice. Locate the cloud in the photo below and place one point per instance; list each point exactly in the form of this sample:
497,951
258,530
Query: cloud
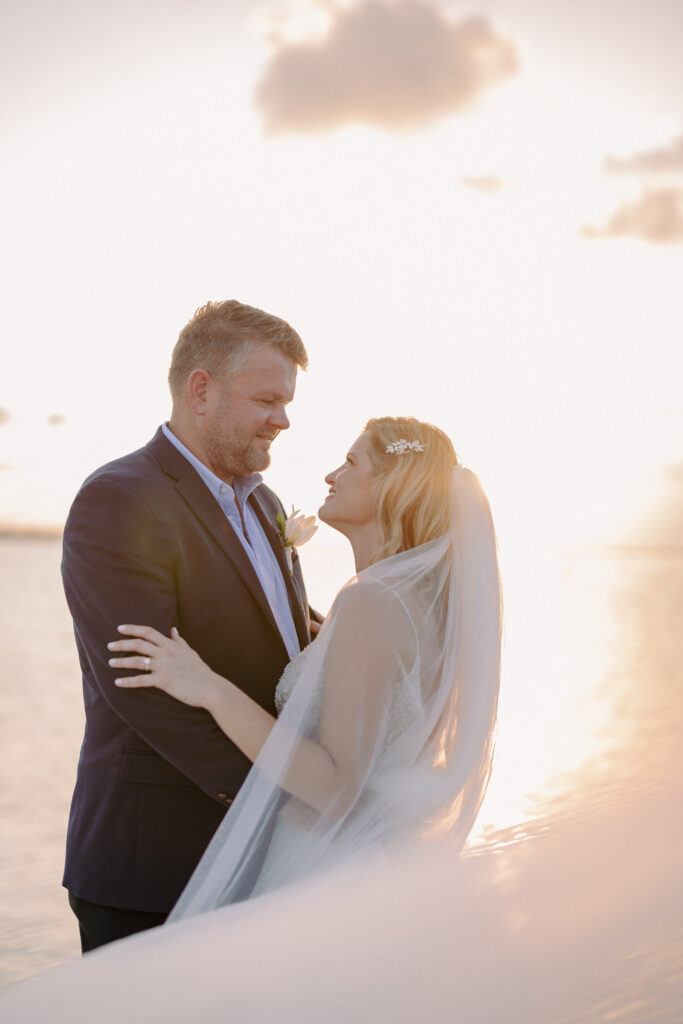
396,65
656,216
662,160
482,183
5,416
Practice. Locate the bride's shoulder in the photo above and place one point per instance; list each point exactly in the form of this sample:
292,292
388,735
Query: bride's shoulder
363,593
370,606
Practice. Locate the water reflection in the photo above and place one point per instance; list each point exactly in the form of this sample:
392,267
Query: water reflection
640,749
566,910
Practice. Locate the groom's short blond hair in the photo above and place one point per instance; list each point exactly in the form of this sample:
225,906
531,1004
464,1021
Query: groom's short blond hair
219,336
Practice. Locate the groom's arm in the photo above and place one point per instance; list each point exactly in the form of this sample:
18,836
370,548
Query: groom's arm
117,568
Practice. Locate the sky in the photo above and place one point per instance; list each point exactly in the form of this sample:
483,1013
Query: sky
471,212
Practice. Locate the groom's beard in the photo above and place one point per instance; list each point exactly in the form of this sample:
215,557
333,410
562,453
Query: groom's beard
237,455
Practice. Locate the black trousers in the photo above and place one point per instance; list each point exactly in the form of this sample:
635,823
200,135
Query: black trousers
99,925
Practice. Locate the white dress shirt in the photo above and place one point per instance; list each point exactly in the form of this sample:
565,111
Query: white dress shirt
255,542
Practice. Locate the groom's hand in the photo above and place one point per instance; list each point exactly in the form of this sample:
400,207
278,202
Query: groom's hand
315,621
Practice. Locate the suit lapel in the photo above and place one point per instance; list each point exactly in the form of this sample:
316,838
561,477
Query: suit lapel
295,591
202,503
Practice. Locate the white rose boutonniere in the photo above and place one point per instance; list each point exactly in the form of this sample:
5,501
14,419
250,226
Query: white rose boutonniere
295,530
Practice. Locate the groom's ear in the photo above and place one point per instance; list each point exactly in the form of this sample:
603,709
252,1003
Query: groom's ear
198,385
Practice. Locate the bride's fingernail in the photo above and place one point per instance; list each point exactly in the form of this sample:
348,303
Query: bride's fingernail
122,629
112,645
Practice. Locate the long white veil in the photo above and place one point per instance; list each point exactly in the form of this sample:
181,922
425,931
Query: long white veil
405,670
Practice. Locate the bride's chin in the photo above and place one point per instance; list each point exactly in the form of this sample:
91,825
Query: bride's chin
325,516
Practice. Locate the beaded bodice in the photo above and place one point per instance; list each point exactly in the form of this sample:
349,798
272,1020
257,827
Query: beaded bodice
400,712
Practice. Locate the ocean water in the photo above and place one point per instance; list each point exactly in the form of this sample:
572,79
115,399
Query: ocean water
573,868
41,724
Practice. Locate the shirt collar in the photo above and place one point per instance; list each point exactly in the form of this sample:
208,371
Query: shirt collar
242,486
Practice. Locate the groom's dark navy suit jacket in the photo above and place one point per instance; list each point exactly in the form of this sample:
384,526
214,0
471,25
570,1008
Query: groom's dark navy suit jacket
147,543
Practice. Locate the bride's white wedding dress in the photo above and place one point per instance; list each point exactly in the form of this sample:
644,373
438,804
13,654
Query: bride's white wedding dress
399,710
287,834
403,678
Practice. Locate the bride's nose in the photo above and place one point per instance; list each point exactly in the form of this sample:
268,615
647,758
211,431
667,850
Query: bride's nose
329,479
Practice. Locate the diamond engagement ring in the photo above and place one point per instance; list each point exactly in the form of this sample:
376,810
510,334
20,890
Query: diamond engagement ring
147,664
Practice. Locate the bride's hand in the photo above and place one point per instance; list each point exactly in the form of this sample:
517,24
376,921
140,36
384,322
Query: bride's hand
167,663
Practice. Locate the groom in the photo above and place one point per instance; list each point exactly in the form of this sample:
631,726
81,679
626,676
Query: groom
180,533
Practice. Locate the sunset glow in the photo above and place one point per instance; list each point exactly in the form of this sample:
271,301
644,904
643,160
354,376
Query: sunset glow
472,213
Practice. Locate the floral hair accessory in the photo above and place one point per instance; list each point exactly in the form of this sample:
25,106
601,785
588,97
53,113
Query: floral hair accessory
402,446
295,529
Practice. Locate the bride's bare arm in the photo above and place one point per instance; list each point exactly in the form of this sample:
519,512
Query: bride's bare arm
171,665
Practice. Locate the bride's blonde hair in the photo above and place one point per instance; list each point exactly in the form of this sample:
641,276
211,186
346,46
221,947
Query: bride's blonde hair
413,488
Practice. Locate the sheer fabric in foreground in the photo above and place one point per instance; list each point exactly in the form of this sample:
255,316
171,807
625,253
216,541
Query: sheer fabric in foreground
404,674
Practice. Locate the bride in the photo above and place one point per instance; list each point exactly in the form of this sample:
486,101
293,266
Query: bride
385,722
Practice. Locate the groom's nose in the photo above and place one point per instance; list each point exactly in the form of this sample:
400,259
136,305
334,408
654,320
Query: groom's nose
279,418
